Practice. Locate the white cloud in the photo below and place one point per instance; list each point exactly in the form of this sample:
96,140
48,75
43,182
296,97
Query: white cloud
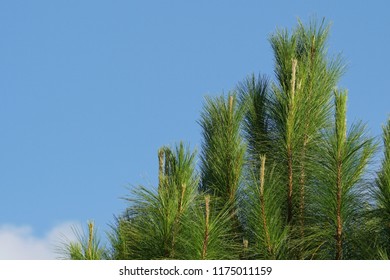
19,242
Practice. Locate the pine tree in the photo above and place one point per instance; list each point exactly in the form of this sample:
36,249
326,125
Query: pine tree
381,195
281,174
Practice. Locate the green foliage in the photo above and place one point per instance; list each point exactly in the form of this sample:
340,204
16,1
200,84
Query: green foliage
87,246
281,174
223,149
265,225
254,96
208,232
338,198
151,226
381,195
300,107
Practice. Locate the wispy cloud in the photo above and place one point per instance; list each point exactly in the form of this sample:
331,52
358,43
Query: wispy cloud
19,242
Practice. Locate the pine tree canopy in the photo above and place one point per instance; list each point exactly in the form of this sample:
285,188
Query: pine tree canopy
280,174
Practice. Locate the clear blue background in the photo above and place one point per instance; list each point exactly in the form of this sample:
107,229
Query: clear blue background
89,90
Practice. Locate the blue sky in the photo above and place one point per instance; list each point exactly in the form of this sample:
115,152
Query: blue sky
89,90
